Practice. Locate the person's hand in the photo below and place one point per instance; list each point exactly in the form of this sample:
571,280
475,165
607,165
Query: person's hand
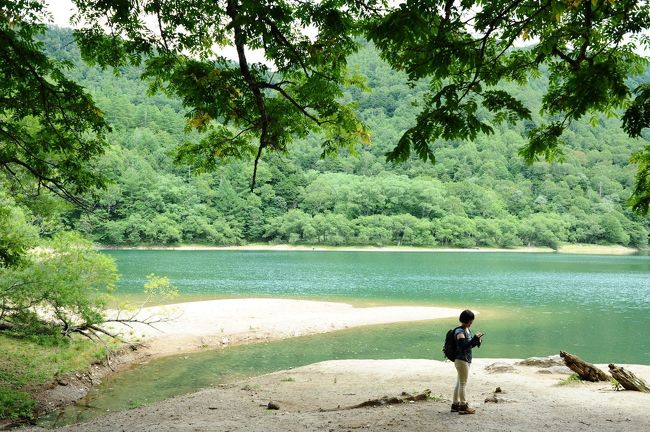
479,335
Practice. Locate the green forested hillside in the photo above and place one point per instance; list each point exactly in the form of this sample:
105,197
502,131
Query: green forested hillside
477,194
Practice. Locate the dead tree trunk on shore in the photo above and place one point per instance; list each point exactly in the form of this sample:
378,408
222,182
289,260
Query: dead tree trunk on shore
628,380
586,371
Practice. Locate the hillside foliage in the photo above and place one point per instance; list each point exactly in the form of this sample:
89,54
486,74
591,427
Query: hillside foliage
478,193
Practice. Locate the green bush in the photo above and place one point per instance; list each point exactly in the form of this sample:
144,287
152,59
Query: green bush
15,405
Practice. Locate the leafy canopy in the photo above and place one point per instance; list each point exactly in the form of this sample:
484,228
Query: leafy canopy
468,47
464,48
50,128
296,91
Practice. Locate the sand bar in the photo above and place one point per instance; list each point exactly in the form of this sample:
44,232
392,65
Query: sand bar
208,324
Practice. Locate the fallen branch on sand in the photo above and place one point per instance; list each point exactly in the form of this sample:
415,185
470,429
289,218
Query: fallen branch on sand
628,380
404,397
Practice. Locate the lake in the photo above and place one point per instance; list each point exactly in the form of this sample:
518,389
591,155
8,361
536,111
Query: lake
597,307
530,304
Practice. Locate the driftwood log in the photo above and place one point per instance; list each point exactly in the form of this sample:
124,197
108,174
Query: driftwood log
405,397
586,371
395,400
628,380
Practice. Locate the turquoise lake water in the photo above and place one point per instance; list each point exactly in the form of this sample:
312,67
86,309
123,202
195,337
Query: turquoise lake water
597,307
531,303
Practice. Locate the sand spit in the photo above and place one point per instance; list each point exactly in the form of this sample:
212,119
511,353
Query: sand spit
209,324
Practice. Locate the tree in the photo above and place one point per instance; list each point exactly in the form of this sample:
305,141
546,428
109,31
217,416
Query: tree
613,230
463,48
59,285
63,282
50,128
16,235
453,230
544,229
468,47
216,208
235,103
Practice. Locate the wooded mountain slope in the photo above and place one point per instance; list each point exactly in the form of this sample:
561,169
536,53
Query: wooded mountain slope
477,194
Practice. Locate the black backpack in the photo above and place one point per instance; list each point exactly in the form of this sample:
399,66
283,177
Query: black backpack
449,349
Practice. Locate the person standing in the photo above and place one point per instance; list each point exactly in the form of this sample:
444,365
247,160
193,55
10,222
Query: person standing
465,341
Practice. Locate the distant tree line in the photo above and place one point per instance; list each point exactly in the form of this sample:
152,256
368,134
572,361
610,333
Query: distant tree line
478,193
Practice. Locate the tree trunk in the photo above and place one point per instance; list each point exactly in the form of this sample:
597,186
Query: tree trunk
628,380
586,371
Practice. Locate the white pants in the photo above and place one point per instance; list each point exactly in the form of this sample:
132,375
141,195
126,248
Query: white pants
462,367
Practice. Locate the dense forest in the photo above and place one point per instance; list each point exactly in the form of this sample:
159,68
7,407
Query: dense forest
478,193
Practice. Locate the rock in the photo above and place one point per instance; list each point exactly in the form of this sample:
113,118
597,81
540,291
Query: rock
544,362
500,367
273,406
556,370
496,399
561,370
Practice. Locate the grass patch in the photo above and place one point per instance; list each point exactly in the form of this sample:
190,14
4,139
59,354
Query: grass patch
247,387
34,360
133,404
571,379
15,405
288,379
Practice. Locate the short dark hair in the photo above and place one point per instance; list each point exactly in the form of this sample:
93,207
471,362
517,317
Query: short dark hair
466,316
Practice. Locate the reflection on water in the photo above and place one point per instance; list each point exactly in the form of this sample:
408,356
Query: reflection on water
531,304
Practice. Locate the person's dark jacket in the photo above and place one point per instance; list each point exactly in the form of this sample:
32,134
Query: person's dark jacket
464,346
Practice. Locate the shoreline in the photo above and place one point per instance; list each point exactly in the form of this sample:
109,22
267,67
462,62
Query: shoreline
218,324
573,249
326,396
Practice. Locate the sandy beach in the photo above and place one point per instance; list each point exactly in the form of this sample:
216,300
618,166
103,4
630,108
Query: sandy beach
315,397
568,249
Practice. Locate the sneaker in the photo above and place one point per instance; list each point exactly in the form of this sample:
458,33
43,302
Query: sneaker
464,408
455,406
